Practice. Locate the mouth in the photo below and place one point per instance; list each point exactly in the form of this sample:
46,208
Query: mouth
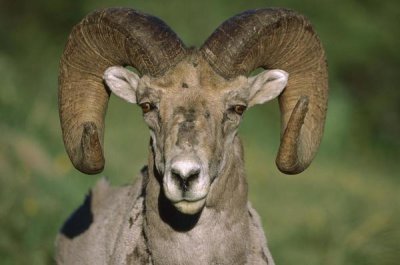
187,201
190,207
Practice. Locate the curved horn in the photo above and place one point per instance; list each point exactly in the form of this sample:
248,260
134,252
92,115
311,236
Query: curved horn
279,38
114,36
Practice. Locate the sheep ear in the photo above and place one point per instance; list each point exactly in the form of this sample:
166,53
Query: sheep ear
122,82
266,86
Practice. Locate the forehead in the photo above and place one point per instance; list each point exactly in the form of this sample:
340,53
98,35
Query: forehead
193,80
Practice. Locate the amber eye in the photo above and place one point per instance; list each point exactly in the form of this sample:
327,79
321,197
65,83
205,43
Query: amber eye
239,109
146,107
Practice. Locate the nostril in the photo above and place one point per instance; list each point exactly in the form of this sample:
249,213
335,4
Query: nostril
192,178
176,178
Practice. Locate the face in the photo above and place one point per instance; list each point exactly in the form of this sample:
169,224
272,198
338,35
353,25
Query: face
192,122
193,116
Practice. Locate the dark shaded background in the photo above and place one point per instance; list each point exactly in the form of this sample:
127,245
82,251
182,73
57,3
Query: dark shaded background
345,209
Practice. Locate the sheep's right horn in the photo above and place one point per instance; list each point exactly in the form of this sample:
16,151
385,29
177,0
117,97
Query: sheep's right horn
114,36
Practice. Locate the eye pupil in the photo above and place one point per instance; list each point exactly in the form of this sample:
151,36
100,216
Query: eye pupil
146,107
239,109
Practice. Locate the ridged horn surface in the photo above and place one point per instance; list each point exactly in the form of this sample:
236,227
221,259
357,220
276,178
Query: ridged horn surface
279,39
104,38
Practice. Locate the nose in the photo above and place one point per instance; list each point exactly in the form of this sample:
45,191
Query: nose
185,170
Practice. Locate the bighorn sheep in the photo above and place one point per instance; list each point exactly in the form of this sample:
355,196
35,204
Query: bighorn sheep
190,204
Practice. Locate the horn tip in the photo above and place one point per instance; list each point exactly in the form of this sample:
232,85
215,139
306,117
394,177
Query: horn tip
290,159
285,167
92,159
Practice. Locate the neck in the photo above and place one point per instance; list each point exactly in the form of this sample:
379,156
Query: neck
217,231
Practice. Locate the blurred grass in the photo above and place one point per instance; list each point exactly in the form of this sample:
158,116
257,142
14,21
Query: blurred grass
343,210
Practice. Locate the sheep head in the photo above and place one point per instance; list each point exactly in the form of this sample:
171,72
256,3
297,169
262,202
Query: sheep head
193,100
193,115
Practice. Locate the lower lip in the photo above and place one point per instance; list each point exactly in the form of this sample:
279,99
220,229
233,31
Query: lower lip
190,207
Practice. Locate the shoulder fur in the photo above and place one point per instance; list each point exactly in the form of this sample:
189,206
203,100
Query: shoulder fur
108,218
258,249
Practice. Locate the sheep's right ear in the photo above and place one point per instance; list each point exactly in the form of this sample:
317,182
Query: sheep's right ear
122,82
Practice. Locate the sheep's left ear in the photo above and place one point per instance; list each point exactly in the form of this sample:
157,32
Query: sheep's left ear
266,85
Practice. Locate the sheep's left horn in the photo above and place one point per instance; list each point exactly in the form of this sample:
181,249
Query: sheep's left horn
113,36
279,39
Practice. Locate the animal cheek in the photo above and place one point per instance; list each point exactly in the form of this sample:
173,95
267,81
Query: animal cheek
153,121
157,147
229,128
168,145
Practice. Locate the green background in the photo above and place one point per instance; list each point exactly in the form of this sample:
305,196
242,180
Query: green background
345,209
